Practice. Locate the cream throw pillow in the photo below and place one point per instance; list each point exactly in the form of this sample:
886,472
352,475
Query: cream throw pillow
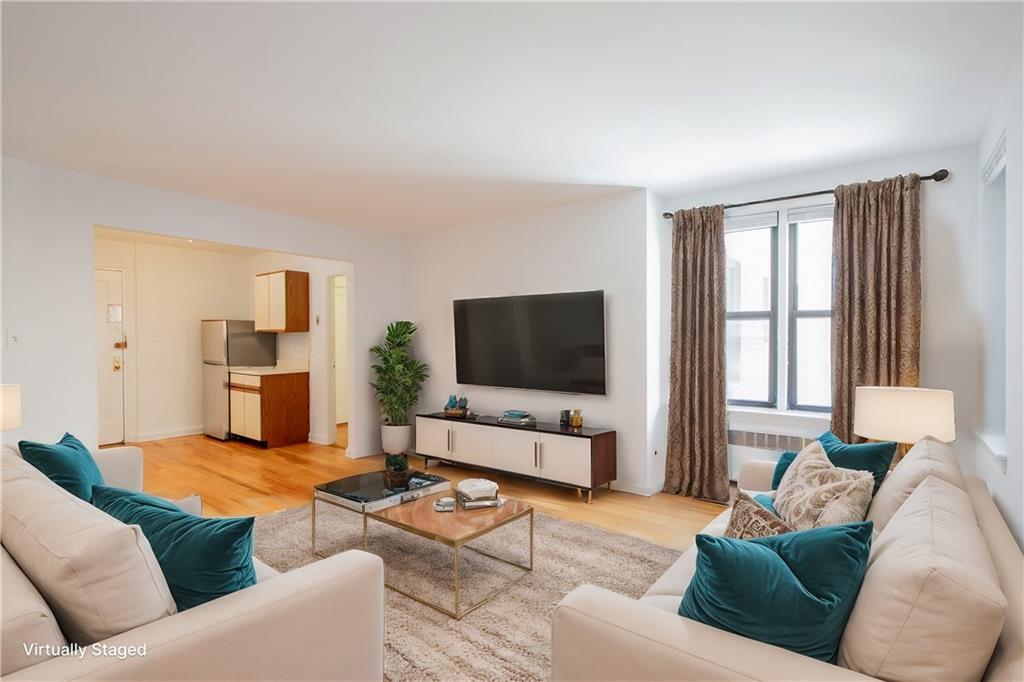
98,575
814,492
930,606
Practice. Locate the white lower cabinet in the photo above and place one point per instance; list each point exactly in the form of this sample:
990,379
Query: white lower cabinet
471,444
433,437
253,421
515,451
554,457
246,407
565,459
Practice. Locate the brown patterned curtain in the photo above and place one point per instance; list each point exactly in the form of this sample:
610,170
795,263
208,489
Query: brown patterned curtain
696,463
876,292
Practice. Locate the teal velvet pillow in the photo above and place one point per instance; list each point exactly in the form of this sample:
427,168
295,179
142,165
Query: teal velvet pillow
794,590
202,559
873,457
68,463
767,502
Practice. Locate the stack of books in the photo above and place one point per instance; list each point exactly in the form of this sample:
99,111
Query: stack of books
517,418
478,493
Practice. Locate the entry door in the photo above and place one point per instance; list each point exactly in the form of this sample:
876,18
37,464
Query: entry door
110,346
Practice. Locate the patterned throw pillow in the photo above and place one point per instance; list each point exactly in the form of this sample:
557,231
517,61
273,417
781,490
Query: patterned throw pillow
814,492
751,520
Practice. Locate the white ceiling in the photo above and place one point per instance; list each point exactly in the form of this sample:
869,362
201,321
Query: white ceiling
412,117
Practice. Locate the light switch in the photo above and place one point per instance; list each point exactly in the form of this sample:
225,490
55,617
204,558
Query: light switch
15,339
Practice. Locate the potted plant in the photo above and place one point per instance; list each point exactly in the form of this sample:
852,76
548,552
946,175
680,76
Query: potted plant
399,379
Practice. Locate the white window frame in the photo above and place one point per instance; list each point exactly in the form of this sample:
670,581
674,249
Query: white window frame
799,422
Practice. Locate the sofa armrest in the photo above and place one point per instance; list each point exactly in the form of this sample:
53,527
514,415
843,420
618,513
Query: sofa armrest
601,635
121,466
756,474
324,621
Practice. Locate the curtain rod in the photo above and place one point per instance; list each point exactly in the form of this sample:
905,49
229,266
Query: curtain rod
937,176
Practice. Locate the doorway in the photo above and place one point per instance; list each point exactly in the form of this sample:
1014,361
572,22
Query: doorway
110,353
339,362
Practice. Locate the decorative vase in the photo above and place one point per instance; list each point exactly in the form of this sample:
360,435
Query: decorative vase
395,440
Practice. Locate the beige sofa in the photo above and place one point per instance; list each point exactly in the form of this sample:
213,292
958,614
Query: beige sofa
601,635
324,621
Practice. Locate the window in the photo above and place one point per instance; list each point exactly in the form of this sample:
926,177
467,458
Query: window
779,308
751,323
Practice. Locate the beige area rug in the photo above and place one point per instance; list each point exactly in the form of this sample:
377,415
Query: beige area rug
509,638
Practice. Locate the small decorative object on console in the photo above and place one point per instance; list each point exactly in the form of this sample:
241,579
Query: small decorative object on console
576,419
456,407
563,418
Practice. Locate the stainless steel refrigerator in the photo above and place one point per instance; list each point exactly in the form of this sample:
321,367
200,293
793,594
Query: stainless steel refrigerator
226,344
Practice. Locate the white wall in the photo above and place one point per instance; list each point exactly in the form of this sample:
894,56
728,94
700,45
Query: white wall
313,349
48,219
1007,486
341,380
169,290
593,244
949,318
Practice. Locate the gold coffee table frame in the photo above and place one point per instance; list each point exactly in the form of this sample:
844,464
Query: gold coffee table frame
456,531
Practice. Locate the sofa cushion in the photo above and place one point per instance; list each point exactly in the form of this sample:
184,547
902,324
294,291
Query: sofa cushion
201,558
928,457
793,590
673,582
814,492
97,574
750,519
26,620
931,607
68,463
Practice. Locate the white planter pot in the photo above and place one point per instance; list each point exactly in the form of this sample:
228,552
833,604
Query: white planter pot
396,439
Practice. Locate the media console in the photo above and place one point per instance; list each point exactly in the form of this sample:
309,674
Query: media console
582,458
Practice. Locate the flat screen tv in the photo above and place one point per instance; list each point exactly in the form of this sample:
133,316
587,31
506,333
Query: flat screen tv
549,342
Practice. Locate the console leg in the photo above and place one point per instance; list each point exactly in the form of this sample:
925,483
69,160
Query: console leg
590,494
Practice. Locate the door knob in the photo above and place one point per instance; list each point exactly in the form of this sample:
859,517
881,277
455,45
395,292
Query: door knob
117,364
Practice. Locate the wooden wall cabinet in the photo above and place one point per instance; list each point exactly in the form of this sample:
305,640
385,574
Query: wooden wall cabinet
582,458
281,301
272,409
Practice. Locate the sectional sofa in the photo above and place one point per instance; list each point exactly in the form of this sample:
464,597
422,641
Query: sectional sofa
324,621
943,585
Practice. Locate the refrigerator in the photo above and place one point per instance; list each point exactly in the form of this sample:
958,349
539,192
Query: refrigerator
227,344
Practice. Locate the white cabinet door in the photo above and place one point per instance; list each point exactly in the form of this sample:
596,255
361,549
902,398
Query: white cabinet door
261,302
253,427
565,459
515,451
276,296
432,437
471,444
237,413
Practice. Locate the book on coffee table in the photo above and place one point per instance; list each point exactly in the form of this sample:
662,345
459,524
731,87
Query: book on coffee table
370,491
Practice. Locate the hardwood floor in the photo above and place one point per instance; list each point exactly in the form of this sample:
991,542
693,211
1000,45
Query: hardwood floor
239,479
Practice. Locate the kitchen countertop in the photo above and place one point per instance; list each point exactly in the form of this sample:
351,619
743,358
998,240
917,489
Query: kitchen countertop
264,371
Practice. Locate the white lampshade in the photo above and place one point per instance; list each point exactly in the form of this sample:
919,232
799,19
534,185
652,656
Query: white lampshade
10,406
904,415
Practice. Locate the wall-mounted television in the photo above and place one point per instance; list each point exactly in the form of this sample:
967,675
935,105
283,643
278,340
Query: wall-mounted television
547,342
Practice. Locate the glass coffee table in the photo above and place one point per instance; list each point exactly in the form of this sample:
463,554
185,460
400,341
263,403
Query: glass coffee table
455,530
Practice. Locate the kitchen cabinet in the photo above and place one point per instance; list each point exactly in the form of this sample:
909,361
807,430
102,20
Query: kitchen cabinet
281,301
272,409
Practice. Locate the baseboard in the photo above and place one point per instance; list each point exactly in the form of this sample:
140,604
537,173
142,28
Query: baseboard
143,437
320,441
353,455
634,489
